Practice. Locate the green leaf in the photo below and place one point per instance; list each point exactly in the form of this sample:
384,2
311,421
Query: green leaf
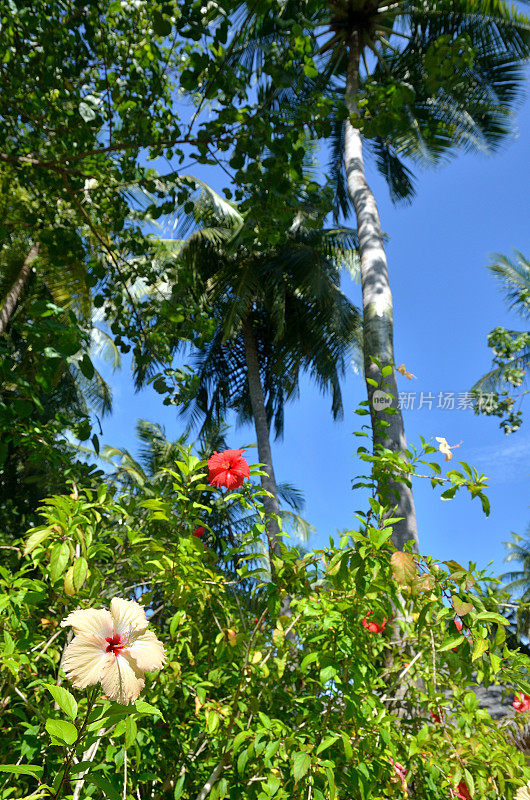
22,769
461,606
348,750
453,641
490,616
327,742
495,661
179,787
64,731
301,764
86,366
470,782
454,567
239,739
130,731
35,539
327,673
481,645
103,784
485,504
146,708
161,25
272,785
307,660
58,560
64,699
80,572
212,720
69,587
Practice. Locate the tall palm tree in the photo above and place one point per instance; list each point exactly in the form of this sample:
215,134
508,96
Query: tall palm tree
415,80
278,311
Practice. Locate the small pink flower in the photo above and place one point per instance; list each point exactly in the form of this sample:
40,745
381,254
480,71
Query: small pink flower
113,648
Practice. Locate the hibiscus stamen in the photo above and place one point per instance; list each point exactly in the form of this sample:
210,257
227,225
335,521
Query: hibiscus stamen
115,644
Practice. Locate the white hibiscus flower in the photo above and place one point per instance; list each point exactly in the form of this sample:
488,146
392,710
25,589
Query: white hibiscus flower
113,648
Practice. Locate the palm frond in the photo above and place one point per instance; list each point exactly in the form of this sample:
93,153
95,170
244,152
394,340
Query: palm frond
514,274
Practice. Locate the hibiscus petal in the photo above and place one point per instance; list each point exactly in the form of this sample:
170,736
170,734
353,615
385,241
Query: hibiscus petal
90,622
84,660
230,481
126,615
148,652
121,679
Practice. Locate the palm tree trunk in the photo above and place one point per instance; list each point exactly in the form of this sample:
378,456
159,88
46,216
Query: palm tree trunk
257,401
18,287
377,313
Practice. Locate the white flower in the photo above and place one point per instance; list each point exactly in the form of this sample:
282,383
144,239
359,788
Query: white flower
113,648
90,184
446,448
523,793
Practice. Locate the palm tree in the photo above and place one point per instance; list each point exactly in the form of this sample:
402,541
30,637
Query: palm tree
511,348
277,311
416,80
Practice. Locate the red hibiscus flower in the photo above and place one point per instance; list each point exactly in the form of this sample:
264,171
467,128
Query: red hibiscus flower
373,627
436,717
227,469
461,791
199,531
521,702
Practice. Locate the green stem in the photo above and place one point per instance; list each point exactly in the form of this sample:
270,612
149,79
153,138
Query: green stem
91,699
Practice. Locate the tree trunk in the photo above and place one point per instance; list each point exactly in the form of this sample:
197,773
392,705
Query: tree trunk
257,401
18,287
377,314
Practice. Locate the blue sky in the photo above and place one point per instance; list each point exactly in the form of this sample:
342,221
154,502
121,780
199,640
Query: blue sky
445,303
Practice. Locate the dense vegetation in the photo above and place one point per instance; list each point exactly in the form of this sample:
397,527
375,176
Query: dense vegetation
159,635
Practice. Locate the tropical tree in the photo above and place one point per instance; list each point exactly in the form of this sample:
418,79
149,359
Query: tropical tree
412,81
26,249
511,348
278,311
49,387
